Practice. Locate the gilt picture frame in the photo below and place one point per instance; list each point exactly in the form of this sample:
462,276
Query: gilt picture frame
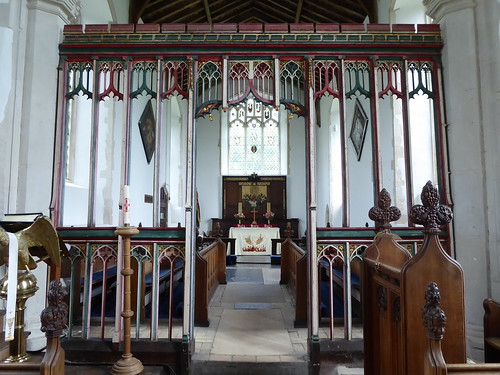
147,128
358,128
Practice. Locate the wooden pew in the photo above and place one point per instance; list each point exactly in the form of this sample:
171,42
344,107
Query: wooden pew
294,274
491,331
210,272
394,339
434,320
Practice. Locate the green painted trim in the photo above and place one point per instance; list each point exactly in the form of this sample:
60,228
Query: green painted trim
107,233
345,234
259,43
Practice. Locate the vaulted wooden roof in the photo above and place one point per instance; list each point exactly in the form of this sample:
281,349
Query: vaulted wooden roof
247,11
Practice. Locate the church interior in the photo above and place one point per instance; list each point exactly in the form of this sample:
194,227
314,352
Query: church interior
233,187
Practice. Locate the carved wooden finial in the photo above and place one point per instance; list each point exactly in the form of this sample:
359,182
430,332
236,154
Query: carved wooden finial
384,213
433,316
289,232
431,214
54,317
217,232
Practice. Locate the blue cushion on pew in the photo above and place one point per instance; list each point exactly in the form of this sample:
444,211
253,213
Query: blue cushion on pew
148,279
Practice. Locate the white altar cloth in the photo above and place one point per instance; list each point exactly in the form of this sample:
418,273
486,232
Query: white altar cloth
254,241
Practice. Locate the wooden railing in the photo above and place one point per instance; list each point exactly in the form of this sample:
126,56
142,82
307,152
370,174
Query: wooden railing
91,272
210,272
294,274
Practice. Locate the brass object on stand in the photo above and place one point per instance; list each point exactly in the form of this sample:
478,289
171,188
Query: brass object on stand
40,239
26,288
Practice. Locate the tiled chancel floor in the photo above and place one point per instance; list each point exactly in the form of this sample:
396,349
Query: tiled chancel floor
251,320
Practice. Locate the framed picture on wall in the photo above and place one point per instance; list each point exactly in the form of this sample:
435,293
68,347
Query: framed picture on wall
147,129
358,128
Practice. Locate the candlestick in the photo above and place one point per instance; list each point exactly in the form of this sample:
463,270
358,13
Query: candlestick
240,207
268,206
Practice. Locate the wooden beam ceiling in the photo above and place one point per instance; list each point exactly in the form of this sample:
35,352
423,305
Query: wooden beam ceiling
243,11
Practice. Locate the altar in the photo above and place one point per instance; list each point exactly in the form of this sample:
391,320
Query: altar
254,240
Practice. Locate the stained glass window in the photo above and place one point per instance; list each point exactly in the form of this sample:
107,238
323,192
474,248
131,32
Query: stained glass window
254,138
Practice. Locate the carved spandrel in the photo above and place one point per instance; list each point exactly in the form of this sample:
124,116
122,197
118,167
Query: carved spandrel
431,214
433,316
384,213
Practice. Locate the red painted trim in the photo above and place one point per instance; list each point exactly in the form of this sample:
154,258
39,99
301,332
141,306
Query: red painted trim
225,27
279,28
147,28
250,27
122,29
73,29
378,28
96,29
301,28
328,28
403,28
199,28
430,28
352,27
173,28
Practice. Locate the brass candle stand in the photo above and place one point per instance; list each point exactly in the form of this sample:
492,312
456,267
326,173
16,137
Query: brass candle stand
26,288
127,364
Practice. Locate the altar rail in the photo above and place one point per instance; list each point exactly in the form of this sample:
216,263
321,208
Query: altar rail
91,273
340,251
210,272
294,274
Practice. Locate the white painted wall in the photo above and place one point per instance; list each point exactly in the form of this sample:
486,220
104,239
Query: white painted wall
324,179
175,119
471,61
208,169
359,172
296,178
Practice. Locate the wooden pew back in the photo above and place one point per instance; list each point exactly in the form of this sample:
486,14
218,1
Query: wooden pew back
392,281
294,274
210,272
491,331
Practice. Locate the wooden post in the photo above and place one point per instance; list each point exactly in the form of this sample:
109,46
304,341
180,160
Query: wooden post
127,364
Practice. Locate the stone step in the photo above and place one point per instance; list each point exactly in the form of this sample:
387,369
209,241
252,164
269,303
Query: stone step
343,370
106,370
248,368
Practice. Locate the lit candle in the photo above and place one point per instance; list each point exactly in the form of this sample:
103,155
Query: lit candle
126,205
240,207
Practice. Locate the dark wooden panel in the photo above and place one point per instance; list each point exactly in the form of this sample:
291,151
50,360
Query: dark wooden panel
254,193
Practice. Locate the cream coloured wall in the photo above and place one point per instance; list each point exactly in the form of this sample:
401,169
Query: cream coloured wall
471,71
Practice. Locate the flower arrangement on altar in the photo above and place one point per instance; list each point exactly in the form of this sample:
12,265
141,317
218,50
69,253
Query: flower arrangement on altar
239,215
254,199
269,215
